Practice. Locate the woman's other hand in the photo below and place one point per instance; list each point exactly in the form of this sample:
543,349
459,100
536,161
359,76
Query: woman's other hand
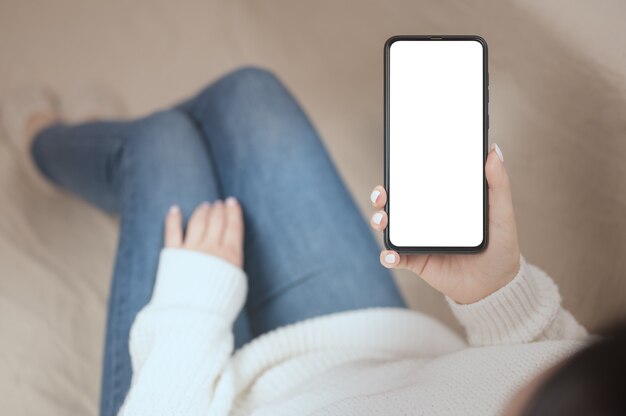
466,278
215,229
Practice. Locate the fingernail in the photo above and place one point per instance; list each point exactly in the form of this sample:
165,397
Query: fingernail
498,151
374,196
231,201
390,258
174,209
205,205
377,218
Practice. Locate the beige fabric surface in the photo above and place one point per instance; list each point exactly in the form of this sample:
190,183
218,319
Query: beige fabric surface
558,107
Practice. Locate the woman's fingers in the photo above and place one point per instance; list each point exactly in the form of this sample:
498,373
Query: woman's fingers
212,229
197,225
378,221
378,197
413,262
392,260
389,258
215,226
233,233
500,199
173,228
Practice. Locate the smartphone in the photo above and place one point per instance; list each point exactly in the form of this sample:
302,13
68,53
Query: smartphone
436,143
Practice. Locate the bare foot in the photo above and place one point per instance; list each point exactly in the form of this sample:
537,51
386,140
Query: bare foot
36,123
24,113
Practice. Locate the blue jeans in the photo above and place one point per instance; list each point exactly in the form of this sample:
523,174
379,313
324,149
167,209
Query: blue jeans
308,251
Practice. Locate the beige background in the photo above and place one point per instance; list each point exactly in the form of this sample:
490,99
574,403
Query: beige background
558,101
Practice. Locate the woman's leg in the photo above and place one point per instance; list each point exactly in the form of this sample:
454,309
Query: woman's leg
137,169
308,251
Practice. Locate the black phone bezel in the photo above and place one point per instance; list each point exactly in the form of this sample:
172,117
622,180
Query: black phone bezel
438,249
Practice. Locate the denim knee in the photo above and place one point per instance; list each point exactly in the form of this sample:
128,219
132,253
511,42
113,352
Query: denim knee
249,115
249,77
244,85
164,148
168,138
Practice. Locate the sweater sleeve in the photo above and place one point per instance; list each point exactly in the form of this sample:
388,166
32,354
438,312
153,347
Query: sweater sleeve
181,341
527,309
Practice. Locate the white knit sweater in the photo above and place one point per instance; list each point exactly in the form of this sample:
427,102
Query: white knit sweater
382,361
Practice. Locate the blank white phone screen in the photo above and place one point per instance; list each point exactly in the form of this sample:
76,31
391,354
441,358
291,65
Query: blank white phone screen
436,143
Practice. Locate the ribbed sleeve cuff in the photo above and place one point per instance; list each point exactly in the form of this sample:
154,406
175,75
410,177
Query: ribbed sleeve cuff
517,313
192,279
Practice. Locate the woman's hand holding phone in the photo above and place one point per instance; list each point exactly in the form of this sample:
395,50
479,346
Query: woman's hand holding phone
215,229
466,278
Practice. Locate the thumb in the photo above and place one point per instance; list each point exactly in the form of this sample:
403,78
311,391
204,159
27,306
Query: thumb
173,227
500,200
